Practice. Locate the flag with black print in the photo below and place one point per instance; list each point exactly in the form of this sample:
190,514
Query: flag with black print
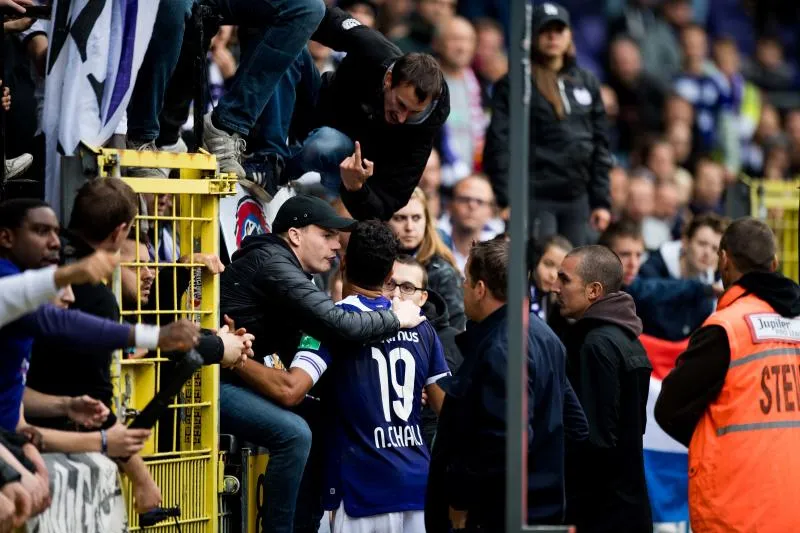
96,49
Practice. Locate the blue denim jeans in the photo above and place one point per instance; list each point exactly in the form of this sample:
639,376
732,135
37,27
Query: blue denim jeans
157,67
291,108
283,29
295,96
322,151
285,434
286,26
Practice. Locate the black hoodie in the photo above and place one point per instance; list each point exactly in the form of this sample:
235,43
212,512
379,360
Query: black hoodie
700,371
610,373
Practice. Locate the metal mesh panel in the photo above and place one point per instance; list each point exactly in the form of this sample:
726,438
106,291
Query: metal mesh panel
182,216
776,203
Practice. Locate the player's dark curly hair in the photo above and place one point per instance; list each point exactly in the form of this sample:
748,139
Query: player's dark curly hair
370,254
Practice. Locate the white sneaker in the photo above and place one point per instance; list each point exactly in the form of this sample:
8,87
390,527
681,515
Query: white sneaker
177,148
18,165
144,172
226,146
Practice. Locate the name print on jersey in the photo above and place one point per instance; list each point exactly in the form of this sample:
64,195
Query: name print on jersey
404,336
397,436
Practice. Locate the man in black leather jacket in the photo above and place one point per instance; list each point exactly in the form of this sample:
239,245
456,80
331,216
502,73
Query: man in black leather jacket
268,287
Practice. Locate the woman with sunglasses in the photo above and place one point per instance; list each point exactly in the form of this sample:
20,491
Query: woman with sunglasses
416,231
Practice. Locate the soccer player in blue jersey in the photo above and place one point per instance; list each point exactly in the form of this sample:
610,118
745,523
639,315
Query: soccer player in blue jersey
376,461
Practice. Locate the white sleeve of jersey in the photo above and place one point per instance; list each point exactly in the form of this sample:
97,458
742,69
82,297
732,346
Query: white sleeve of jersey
431,380
310,363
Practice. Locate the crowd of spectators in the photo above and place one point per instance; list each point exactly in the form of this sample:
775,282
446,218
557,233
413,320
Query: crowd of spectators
645,116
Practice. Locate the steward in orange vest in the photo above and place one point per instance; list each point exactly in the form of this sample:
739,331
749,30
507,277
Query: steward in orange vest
734,396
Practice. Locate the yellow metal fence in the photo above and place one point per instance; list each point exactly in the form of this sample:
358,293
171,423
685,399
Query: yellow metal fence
182,453
776,203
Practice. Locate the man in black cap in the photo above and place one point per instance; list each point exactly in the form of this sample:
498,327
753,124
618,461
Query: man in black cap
268,287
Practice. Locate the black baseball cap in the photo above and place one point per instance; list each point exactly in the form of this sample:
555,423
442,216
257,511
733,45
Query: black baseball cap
304,210
548,12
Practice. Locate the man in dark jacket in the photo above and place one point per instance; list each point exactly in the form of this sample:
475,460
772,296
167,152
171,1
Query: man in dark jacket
609,369
390,105
268,290
467,475
410,282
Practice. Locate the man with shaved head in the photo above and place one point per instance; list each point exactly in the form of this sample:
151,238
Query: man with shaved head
609,370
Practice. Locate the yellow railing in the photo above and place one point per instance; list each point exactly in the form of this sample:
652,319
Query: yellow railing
182,453
776,203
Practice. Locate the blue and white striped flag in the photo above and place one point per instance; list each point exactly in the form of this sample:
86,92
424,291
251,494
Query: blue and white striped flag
96,49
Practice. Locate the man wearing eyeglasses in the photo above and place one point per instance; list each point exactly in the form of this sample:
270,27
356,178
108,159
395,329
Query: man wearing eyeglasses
409,281
471,214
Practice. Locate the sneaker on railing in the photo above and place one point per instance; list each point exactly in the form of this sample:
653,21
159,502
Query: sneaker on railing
228,147
263,174
144,172
178,148
18,165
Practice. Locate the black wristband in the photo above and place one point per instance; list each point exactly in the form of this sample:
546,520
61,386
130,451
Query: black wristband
8,474
15,439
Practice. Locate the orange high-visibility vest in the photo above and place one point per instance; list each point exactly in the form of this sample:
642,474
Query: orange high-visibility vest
744,457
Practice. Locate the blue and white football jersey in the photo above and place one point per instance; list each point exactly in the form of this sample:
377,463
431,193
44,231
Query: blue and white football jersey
709,94
376,460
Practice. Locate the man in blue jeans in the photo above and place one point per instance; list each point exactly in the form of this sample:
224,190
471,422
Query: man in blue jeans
286,26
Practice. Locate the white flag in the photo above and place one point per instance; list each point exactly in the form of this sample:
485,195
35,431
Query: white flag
95,50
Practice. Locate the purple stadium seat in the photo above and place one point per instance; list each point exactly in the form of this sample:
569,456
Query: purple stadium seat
591,64
592,34
729,19
582,8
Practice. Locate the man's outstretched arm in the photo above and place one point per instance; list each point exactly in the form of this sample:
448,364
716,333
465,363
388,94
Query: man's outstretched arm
341,32
284,388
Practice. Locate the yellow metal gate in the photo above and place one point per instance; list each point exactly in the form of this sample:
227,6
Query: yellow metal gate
182,453
776,203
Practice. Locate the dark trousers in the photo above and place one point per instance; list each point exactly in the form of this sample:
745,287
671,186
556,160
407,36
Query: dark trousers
156,70
286,26
569,218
